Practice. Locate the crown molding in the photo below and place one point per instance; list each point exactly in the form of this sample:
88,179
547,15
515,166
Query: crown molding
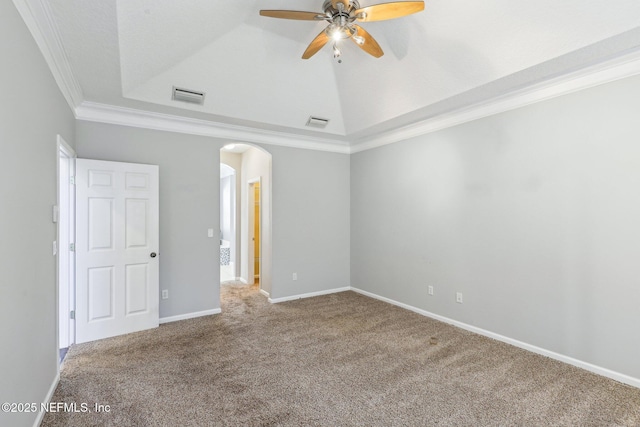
38,17
94,112
620,67
623,66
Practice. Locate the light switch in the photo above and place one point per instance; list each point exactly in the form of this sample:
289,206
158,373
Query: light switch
210,232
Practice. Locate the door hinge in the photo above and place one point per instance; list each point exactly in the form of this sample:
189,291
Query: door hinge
72,180
72,314
72,247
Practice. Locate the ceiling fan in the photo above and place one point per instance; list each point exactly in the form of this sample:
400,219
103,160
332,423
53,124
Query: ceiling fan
341,16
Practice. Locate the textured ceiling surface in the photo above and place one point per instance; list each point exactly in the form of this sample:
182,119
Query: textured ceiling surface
131,53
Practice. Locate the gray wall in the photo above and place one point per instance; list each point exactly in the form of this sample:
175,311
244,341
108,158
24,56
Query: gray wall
189,206
227,210
32,113
532,214
310,212
310,221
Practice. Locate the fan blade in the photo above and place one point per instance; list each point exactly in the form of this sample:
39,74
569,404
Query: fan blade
370,44
383,11
316,45
293,14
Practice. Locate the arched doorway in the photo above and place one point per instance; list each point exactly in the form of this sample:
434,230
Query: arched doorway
253,248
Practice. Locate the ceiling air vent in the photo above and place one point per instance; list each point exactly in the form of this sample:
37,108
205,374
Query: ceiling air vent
186,95
317,122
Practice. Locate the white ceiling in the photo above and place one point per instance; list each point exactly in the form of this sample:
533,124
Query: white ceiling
130,53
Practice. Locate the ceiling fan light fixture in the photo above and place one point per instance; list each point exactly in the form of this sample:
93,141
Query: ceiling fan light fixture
337,33
358,39
336,51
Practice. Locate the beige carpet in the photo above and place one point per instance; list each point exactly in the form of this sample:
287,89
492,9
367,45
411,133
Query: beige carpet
336,360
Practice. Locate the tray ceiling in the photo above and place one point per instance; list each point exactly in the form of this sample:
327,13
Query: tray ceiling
131,53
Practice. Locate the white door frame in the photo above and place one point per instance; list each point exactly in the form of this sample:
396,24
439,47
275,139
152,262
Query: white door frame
250,231
64,216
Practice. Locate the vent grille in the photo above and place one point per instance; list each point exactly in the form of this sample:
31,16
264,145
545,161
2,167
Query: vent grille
187,95
317,122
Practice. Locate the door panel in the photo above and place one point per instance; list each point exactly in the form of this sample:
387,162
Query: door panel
100,293
117,230
136,280
136,223
100,224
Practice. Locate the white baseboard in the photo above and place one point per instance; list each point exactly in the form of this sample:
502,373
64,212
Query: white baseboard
190,315
309,295
48,398
265,293
626,379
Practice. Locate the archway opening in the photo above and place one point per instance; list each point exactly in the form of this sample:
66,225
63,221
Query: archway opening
250,257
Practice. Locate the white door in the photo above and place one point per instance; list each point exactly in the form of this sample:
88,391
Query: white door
117,231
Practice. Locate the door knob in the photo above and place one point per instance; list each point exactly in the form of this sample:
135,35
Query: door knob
153,255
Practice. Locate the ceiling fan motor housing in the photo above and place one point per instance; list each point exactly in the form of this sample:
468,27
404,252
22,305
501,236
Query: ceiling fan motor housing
328,8
340,19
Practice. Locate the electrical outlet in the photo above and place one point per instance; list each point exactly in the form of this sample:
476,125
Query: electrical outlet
459,297
165,294
430,290
295,276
